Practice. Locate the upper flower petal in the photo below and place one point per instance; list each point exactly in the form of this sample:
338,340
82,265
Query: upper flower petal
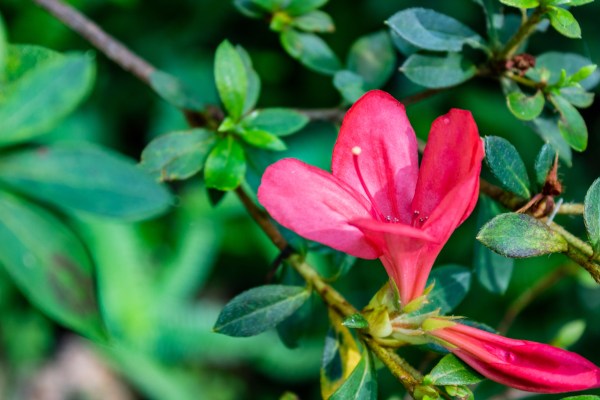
452,159
388,162
521,364
316,205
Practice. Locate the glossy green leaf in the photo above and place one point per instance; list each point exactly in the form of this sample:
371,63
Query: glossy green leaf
174,91
525,107
571,124
262,139
569,334
272,5
22,59
341,355
506,165
554,62
591,215
583,73
178,155
297,7
362,382
430,30
579,2
438,71
254,83
277,121
311,51
40,98
373,58
492,270
519,236
225,167
356,321
451,371
231,79
582,397
521,3
249,8
577,96
314,21
564,22
259,309
547,128
543,163
49,264
349,84
451,283
87,179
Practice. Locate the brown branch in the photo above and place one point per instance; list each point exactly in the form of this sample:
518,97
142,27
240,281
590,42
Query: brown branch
107,44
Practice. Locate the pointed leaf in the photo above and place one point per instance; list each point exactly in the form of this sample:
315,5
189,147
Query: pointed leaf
438,71
547,128
49,264
311,51
521,3
40,98
571,124
493,270
577,96
350,85
297,7
356,321
249,8
225,166
506,165
260,309
451,371
174,91
362,382
373,58
451,283
178,155
85,179
278,121
253,80
314,21
262,139
583,397
231,79
564,22
520,235
591,215
543,163
430,30
555,62
525,107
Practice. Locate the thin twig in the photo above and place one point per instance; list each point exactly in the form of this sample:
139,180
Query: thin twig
107,44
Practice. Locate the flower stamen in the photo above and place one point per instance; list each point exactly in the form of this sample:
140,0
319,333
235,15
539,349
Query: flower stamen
356,150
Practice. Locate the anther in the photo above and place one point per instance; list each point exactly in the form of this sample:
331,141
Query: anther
356,150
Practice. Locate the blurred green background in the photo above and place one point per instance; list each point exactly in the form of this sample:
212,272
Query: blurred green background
198,257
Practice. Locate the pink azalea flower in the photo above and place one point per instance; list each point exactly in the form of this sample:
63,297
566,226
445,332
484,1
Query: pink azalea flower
521,364
376,202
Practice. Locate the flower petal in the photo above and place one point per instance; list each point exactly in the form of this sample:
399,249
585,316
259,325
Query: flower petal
316,205
452,156
522,364
388,162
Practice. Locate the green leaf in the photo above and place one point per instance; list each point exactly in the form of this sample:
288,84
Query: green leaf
451,285
314,21
253,80
373,58
519,236
491,9
231,79
174,91
362,382
521,3
564,22
259,309
451,371
297,7
543,163
583,397
356,321
40,98
278,121
262,139
438,71
577,96
583,73
178,155
575,3
295,328
3,47
569,334
506,165
547,129
591,215
349,84
430,30
49,264
525,107
492,270
311,51
249,8
89,179
225,167
571,124
555,62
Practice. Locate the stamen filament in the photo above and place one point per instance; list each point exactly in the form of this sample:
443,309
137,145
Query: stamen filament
356,150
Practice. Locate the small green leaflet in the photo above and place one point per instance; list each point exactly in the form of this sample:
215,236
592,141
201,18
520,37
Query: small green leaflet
231,79
591,215
311,51
225,166
506,165
525,107
451,371
174,91
571,123
314,21
438,71
356,321
362,382
277,121
564,22
543,163
373,58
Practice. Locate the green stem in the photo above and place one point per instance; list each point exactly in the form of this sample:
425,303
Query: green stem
525,30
